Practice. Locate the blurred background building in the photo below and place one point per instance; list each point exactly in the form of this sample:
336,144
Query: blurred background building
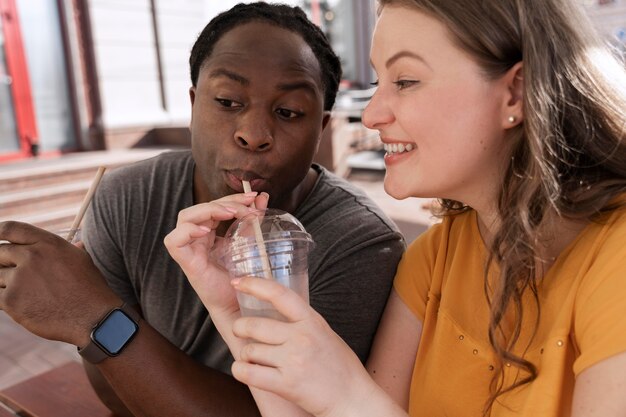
80,75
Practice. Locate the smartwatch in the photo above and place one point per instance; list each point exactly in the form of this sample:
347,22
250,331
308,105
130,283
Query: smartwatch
111,335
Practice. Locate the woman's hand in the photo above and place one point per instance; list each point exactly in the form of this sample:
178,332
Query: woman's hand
301,360
193,240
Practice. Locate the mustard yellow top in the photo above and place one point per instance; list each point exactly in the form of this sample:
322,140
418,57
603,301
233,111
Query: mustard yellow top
583,319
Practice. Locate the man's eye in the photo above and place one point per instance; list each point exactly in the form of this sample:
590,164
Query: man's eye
227,103
402,84
287,114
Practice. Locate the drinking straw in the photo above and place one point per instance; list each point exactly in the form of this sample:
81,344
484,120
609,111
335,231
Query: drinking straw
259,236
85,204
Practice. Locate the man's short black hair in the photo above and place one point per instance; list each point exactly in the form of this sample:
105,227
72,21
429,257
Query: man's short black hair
287,17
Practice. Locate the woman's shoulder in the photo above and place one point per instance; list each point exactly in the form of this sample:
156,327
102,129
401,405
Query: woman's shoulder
612,226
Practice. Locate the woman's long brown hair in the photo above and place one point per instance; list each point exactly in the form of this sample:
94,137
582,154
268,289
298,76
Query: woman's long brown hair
569,154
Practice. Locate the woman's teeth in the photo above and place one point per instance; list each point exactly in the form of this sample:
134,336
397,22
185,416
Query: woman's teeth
392,148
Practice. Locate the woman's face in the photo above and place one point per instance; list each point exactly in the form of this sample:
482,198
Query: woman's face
441,120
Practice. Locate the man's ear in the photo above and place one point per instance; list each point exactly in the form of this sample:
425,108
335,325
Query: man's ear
192,98
192,95
325,119
513,105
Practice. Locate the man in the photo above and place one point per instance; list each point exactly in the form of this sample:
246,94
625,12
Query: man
264,79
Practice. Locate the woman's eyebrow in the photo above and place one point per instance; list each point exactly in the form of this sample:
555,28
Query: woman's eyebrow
405,54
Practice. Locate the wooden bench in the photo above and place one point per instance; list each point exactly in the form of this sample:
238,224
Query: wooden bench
61,392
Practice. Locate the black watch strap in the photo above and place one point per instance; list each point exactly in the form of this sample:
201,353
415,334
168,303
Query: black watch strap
93,353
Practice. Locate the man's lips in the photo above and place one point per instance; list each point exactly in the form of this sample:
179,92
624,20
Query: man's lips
234,178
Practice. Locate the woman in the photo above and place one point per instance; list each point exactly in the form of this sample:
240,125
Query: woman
512,114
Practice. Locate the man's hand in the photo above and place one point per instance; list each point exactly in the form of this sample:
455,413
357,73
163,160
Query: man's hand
50,286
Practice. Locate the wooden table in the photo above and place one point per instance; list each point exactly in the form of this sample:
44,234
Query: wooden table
62,392
5,412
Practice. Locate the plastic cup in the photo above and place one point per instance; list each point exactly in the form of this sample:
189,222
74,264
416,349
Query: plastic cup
280,252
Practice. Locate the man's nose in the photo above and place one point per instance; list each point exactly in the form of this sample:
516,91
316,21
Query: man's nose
255,132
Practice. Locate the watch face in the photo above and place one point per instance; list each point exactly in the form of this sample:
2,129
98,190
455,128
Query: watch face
115,332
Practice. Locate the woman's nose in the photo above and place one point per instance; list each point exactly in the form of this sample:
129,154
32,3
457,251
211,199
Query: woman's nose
254,132
377,113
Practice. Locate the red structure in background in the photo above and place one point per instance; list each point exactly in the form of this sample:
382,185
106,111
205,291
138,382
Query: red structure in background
316,15
20,86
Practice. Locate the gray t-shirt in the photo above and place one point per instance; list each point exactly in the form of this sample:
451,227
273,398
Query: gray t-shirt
351,268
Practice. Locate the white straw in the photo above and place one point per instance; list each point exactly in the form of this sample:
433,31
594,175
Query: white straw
259,237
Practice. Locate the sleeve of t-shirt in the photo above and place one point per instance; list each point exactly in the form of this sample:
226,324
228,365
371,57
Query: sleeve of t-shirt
415,271
103,231
600,310
351,289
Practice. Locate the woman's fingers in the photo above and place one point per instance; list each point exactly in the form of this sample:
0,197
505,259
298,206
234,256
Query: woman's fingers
260,202
262,354
184,234
225,208
259,376
270,331
286,301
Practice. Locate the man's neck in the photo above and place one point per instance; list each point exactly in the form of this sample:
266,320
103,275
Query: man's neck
292,201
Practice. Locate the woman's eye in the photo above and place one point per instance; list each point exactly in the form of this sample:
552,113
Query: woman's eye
288,114
402,84
227,103
374,83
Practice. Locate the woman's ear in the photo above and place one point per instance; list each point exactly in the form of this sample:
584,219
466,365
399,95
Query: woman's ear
513,111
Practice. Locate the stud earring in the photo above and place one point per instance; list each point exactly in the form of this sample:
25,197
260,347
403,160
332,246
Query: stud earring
512,119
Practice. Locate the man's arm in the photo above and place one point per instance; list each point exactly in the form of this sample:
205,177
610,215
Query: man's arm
154,378
233,396
52,289
105,392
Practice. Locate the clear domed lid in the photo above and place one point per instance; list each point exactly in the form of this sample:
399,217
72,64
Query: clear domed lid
274,225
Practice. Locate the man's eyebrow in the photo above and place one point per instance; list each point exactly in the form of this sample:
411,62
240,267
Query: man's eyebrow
297,85
221,72
405,54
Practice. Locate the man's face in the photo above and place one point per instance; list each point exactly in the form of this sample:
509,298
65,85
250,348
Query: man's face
257,113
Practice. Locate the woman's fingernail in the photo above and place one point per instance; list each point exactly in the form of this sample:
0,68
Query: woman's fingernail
230,209
235,282
266,195
206,229
251,194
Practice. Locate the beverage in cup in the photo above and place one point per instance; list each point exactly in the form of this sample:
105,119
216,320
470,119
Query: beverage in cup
268,244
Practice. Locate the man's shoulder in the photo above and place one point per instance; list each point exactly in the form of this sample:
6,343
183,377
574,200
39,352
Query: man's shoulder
161,164
337,204
145,181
